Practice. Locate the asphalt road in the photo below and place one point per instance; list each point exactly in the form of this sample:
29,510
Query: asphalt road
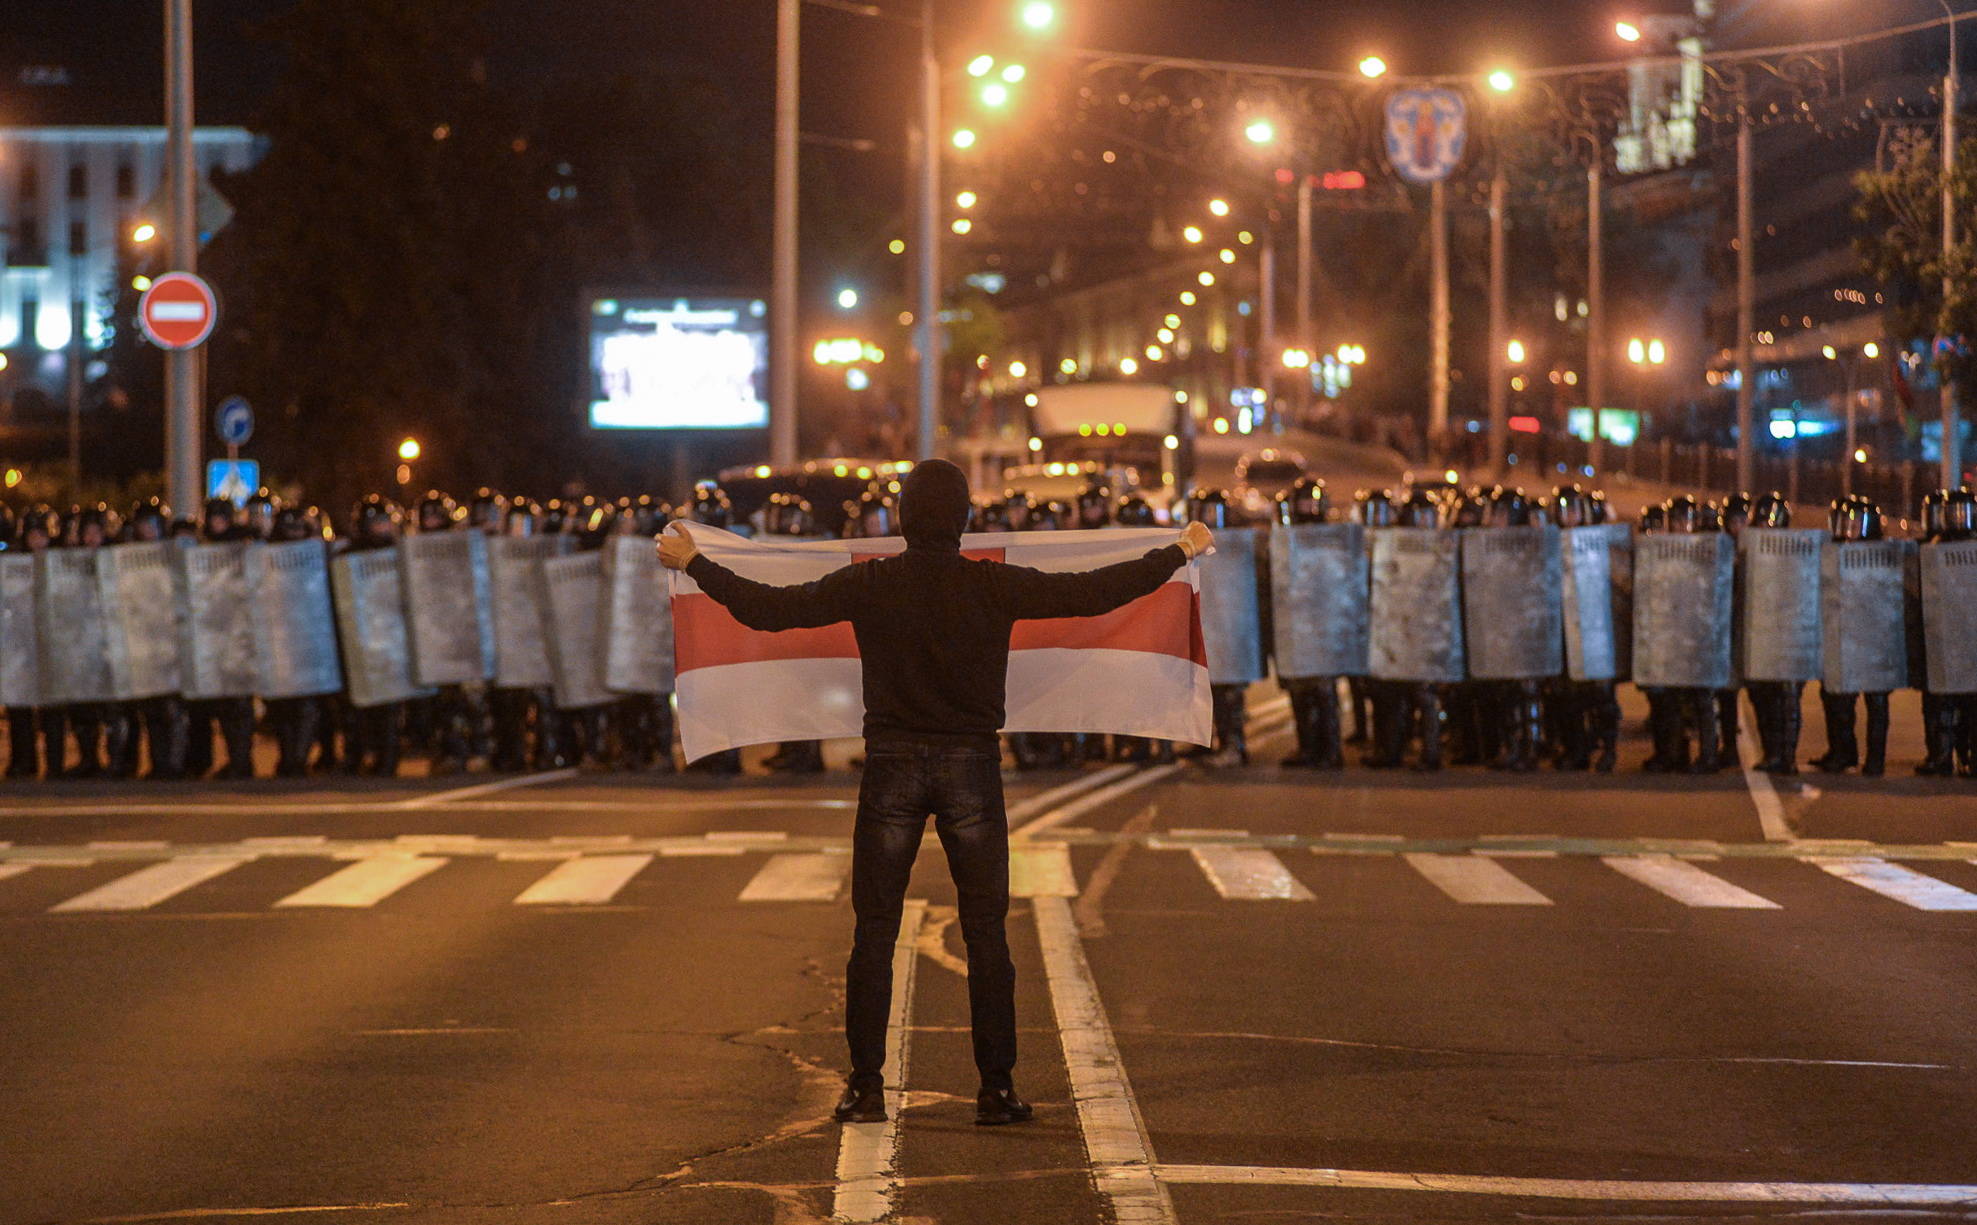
1249,996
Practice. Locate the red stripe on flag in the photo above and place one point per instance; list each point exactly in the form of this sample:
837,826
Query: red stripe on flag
706,635
1163,623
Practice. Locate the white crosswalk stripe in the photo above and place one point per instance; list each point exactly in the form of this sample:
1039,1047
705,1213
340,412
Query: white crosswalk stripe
146,887
1686,883
366,882
13,869
1041,869
798,878
1475,880
1248,874
1904,885
590,881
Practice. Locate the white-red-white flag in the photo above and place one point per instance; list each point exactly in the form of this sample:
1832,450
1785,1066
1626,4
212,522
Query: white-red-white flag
1140,670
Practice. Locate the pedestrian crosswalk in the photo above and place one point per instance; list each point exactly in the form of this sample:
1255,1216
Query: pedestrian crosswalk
1226,865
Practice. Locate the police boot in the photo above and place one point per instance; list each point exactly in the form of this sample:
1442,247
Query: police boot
448,732
164,735
332,715
1728,751
1764,708
1661,721
1708,708
86,728
1389,728
1605,727
199,738
1938,737
1327,752
23,747
1842,750
1358,695
1787,708
1963,720
507,754
53,723
385,738
1428,703
552,749
1231,742
1570,714
237,729
121,742
1876,762
1305,754
1532,716
662,734
308,711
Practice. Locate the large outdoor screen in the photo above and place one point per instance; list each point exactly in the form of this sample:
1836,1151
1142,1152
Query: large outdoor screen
679,363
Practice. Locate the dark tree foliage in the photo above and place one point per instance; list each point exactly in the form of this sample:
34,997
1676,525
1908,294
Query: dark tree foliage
1903,250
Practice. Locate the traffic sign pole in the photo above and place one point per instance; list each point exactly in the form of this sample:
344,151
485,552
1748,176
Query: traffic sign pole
182,368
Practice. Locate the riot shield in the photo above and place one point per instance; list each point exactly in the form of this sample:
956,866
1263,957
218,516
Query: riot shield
1231,607
1779,619
1598,581
370,621
139,602
447,606
1949,594
638,618
1512,602
20,649
521,657
68,615
1863,615
1682,610
568,591
1416,605
294,622
1318,586
216,624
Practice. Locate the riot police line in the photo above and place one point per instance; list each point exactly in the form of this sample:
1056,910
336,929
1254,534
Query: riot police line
1490,627
1481,627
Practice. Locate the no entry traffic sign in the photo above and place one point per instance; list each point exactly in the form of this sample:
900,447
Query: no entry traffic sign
178,311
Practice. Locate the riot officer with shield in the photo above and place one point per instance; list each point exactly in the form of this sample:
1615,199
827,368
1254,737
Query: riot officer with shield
1314,700
1775,703
1688,710
1856,520
1094,505
372,738
295,722
448,723
1234,583
1407,711
38,731
1371,508
92,724
221,523
163,718
486,511
1583,715
1949,713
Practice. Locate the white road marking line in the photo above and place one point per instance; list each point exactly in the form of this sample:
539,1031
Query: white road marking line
589,881
131,844
438,798
1686,883
1474,880
1770,812
146,887
1044,801
749,835
1109,1118
287,840
680,850
798,878
13,869
1084,804
1885,1194
1041,869
547,803
365,882
868,1153
1904,885
1244,874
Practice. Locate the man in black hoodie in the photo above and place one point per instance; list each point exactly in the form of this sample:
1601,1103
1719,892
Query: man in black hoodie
933,637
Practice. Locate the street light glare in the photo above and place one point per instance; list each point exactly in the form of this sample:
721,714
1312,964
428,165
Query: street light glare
1870,350
965,199
964,138
1628,31
408,450
981,65
962,225
1502,81
1228,256
1657,352
1636,351
897,246
1187,297
1515,350
1206,279
1128,366
1219,207
1192,233
144,231
1039,15
1014,73
995,93
1372,66
847,298
1260,132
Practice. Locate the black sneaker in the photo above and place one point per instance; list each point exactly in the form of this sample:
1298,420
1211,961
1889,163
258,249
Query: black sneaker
861,1105
994,1107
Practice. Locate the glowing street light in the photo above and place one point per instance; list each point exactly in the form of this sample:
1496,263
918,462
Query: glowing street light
995,94
962,225
1226,256
1870,350
1187,297
1502,81
1038,15
981,65
143,231
1261,132
1014,73
409,450
1219,207
1017,370
1627,31
1515,352
897,246
1206,279
847,298
1372,67
964,138
965,199
1192,233
1128,366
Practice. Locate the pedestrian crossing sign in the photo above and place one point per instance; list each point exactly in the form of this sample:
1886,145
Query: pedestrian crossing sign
233,479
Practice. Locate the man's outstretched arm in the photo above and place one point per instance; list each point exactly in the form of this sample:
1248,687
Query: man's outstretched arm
1031,595
761,606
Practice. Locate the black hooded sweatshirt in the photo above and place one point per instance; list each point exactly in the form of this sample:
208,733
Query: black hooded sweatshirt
933,626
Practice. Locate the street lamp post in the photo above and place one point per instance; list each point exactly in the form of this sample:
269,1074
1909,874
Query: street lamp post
1500,346
182,366
1596,309
1952,460
926,314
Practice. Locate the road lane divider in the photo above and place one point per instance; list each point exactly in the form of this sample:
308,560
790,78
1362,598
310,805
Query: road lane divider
590,880
1041,869
868,1153
1883,1195
439,798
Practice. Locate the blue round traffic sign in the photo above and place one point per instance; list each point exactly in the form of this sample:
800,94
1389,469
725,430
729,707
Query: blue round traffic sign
233,420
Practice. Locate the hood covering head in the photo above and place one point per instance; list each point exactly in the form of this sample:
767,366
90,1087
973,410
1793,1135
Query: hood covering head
933,505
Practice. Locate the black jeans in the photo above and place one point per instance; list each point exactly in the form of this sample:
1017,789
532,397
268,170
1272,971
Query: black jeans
962,789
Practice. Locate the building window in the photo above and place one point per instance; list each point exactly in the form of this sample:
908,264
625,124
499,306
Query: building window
30,320
78,238
78,181
25,249
30,182
126,181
